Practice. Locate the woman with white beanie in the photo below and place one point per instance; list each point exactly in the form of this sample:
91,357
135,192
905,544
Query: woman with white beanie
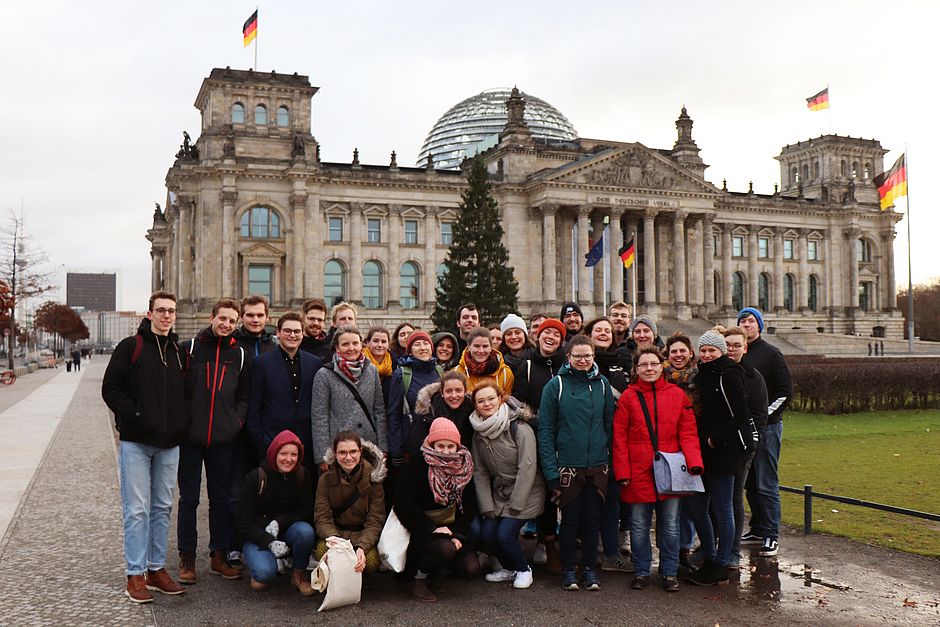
517,346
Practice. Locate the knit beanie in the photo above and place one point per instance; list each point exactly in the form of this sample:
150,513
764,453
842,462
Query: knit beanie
753,311
443,429
553,323
570,308
644,320
414,337
713,338
512,321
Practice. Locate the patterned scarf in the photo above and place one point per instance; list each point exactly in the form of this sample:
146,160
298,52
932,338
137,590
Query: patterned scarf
352,369
384,365
448,474
491,428
477,369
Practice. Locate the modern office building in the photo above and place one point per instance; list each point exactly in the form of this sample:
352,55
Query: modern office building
94,291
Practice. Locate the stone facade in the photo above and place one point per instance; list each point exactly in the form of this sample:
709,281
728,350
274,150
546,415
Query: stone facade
252,208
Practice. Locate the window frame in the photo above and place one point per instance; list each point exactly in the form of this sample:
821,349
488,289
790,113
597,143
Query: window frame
374,236
410,235
330,228
414,289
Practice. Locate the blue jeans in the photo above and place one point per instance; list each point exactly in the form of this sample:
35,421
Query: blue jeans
763,493
500,537
721,493
263,565
614,515
218,460
148,476
738,502
667,536
694,519
580,518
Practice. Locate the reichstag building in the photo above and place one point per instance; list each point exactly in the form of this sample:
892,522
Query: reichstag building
251,208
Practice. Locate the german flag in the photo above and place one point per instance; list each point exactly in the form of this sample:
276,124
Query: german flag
250,29
818,102
627,254
893,183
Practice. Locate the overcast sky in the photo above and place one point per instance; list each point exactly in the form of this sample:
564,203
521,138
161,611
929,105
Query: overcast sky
97,94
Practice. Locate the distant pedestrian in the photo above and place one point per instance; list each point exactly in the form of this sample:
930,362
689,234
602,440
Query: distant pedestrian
77,360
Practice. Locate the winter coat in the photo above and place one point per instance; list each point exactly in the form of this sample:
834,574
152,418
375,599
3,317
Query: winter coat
532,375
513,362
335,408
271,404
674,424
361,523
320,347
413,497
756,395
254,345
575,421
285,497
430,405
506,470
769,362
723,397
147,396
502,374
615,367
216,388
402,418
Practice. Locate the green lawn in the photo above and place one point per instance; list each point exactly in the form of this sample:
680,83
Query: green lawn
886,457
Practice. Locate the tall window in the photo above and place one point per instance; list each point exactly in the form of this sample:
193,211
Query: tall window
334,282
260,280
372,285
261,115
816,169
737,246
788,292
408,295
283,116
374,230
863,249
335,229
261,222
737,291
763,247
411,231
788,249
716,251
447,233
813,296
864,296
238,113
763,291
812,250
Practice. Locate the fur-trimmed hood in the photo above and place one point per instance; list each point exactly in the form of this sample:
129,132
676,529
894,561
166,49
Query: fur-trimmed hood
423,402
522,411
371,455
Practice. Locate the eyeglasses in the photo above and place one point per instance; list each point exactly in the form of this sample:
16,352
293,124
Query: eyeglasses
162,311
313,319
292,331
581,357
650,365
348,453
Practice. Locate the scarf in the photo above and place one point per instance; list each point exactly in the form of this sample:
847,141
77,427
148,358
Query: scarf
448,474
491,428
352,369
384,365
477,369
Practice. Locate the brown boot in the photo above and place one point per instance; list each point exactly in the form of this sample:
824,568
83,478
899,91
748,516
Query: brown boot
420,591
219,566
187,568
553,565
258,585
160,581
301,580
137,590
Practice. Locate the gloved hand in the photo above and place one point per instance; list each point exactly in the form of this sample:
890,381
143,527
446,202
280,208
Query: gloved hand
278,548
273,528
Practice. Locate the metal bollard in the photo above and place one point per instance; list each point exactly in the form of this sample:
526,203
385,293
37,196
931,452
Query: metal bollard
807,509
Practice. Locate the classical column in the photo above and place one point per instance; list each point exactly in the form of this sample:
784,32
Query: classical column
616,264
708,254
296,265
694,263
584,273
851,236
804,272
549,255
393,276
887,245
313,261
431,236
751,299
778,269
354,272
726,278
597,271
185,248
678,257
229,197
649,257
155,261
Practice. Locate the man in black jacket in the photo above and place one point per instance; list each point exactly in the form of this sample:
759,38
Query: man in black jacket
143,386
316,340
763,486
217,400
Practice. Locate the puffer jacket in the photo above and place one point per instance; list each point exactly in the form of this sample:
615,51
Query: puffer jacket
502,374
575,421
361,523
674,424
532,374
724,415
506,469
402,417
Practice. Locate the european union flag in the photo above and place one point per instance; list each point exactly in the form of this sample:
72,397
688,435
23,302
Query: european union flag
595,254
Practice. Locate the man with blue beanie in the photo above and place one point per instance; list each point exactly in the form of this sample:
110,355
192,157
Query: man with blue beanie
763,486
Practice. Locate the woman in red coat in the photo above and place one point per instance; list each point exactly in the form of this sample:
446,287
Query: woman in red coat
673,422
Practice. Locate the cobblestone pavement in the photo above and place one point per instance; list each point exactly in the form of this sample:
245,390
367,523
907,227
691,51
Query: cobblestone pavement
63,564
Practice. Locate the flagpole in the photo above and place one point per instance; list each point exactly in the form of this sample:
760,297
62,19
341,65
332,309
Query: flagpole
256,40
606,280
633,267
910,280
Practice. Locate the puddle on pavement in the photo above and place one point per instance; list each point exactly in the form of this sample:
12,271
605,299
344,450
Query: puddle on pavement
768,579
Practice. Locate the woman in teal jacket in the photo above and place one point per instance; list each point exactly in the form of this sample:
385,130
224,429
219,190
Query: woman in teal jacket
575,423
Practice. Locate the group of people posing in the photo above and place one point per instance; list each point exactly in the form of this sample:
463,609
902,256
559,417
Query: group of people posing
474,439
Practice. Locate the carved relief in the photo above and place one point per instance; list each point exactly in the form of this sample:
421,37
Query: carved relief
634,168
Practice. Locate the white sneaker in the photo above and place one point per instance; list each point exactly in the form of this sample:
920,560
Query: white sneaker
313,562
501,575
540,557
523,579
625,542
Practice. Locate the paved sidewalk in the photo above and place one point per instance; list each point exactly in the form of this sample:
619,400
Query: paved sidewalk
62,564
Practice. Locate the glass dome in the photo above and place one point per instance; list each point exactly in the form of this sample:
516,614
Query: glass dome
474,125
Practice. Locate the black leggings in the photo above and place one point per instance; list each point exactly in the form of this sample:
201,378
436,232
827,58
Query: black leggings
440,552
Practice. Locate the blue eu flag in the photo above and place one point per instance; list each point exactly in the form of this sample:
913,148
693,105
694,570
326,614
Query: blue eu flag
595,254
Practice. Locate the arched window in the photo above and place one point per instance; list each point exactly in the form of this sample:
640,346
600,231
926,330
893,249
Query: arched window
805,173
788,292
238,113
763,291
737,291
816,170
408,295
372,285
845,168
283,116
813,296
441,272
855,169
334,282
261,222
863,250
261,115
794,177
867,171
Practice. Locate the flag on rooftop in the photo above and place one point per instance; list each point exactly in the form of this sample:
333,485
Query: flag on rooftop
893,183
250,29
818,102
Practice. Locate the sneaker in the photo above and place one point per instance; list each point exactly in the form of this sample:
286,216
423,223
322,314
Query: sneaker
136,589
530,529
187,568
616,563
160,581
569,580
540,557
218,566
710,574
500,576
234,559
769,548
751,539
670,584
523,579
640,582
625,542
590,580
685,561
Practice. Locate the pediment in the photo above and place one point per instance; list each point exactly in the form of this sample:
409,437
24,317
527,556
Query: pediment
261,250
632,166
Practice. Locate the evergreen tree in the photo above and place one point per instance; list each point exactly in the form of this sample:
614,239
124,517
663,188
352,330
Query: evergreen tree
477,263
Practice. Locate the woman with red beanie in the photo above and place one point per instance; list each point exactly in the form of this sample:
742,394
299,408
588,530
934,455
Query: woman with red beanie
418,368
